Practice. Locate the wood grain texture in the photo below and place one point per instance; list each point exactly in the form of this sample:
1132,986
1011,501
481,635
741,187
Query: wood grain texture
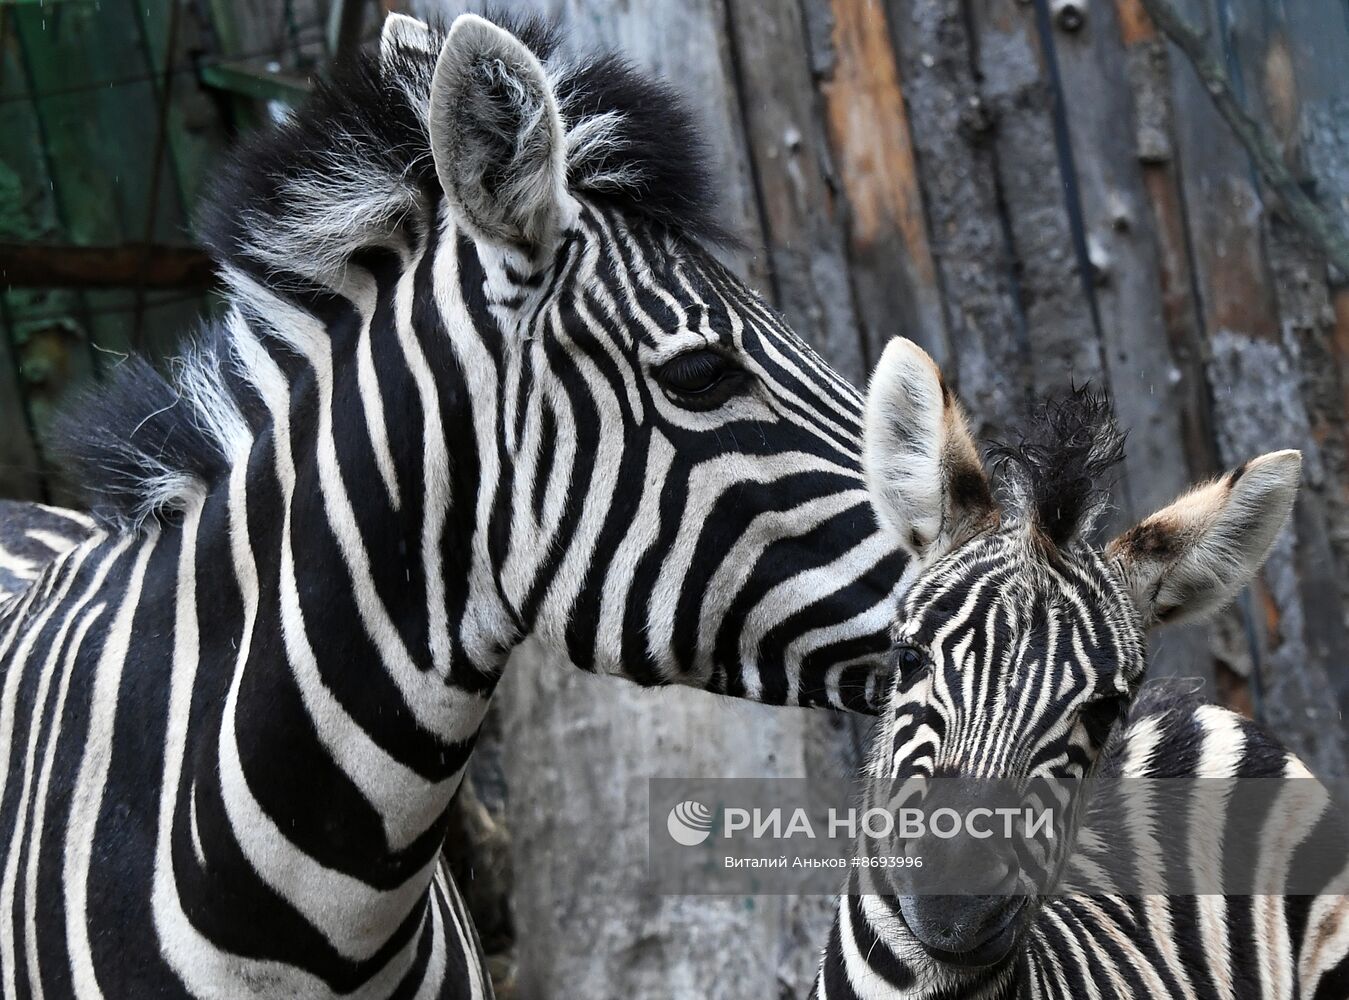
878,182
952,128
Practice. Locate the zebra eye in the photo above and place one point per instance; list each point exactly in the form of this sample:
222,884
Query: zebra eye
909,659
700,379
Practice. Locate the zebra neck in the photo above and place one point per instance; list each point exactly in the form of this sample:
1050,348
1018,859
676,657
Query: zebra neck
353,701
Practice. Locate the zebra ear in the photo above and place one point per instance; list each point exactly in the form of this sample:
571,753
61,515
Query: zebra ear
497,137
923,471
404,34
1189,559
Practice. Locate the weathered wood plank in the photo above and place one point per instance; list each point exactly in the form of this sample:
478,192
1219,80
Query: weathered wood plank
1149,79
1036,194
1275,79
890,254
951,130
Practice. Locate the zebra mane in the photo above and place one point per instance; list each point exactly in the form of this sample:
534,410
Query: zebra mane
1059,472
354,161
296,202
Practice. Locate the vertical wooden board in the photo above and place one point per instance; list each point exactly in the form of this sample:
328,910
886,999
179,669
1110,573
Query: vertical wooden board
1318,41
1224,209
893,270
802,215
1018,91
1303,82
1141,372
952,134
1153,120
1255,384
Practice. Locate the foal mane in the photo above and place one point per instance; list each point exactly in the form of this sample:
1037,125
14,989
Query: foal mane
1060,470
346,170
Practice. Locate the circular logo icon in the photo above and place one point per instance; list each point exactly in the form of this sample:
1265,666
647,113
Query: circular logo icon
689,823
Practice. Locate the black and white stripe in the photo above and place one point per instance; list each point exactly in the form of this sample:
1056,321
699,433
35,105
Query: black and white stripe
458,399
31,536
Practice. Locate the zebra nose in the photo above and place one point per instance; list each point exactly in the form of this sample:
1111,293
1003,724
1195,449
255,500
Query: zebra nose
967,931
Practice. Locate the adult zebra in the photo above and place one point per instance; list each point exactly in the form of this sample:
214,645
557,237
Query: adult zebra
1019,648
476,381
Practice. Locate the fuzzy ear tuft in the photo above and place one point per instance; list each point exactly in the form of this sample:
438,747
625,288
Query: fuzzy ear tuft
922,468
497,136
1189,559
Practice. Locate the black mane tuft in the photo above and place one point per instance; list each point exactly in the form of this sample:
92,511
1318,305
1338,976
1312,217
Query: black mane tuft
1060,469
361,138
134,446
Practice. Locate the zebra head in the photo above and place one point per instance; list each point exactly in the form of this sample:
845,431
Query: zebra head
636,460
1019,643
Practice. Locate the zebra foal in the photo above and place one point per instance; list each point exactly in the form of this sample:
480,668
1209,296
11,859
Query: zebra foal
478,380
1019,652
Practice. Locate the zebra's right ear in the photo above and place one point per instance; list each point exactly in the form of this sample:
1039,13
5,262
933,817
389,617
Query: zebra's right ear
923,471
497,137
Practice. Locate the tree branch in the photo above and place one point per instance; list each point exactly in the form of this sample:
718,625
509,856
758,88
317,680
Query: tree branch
1328,234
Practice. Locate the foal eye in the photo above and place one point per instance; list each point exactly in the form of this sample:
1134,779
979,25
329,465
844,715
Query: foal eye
700,379
909,659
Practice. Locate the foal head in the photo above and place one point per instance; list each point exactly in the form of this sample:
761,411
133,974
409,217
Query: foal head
1020,641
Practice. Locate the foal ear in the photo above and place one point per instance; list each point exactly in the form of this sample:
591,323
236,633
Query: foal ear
922,470
1189,559
497,137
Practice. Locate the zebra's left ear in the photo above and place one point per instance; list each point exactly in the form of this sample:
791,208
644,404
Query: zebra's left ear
497,137
403,34
923,472
1190,558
